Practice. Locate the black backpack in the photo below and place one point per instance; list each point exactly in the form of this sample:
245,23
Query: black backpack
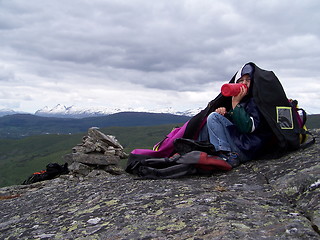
52,170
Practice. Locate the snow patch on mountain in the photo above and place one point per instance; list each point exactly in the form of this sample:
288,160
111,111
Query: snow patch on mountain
81,112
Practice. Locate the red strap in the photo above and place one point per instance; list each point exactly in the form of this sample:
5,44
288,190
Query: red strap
43,171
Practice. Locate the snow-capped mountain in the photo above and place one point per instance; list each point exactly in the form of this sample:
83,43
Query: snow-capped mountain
80,112
4,112
73,112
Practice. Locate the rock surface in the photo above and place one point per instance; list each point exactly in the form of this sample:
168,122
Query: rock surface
265,199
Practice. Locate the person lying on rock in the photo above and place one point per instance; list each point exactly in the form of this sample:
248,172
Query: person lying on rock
239,134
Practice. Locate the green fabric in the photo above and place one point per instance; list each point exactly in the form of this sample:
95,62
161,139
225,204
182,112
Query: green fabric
241,119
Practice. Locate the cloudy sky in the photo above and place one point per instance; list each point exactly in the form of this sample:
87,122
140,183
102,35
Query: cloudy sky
152,54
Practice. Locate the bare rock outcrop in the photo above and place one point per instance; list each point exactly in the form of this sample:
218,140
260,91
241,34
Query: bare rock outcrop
265,199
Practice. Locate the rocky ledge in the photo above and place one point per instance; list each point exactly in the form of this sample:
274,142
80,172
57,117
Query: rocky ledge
265,199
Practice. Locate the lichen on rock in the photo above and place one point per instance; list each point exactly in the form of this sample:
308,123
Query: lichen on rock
263,199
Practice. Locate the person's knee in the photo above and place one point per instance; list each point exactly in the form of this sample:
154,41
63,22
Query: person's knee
213,116
213,120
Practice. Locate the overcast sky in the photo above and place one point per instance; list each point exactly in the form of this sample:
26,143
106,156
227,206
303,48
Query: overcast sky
152,54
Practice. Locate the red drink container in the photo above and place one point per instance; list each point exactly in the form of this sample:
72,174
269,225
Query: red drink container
231,89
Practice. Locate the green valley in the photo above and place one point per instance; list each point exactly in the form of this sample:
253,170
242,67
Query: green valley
19,158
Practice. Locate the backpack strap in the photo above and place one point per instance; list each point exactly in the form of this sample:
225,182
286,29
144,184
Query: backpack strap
304,115
307,143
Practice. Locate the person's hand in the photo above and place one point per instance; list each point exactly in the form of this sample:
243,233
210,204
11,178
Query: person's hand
237,99
221,110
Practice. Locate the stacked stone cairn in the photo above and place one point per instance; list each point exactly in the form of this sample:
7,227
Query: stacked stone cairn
97,155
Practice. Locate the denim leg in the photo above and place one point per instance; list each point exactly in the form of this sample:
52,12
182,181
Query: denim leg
218,134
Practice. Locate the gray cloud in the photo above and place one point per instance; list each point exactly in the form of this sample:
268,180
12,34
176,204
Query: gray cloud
6,75
180,45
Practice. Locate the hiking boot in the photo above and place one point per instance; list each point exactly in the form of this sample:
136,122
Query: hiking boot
231,157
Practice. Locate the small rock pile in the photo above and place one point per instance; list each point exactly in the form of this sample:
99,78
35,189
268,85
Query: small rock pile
98,154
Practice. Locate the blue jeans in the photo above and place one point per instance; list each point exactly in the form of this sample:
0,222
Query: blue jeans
217,133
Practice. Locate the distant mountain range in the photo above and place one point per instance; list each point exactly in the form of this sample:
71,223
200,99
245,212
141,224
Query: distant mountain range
61,111
23,125
70,120
5,112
